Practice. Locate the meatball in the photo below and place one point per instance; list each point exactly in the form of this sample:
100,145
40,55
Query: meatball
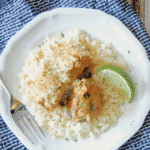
86,100
73,62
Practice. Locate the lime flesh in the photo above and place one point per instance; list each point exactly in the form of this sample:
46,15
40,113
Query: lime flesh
119,78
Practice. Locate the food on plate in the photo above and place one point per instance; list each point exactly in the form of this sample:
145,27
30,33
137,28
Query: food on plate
119,78
85,101
62,88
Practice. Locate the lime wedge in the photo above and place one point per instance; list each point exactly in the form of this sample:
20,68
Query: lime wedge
119,78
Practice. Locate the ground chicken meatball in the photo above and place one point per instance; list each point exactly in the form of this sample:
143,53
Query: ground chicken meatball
85,100
72,61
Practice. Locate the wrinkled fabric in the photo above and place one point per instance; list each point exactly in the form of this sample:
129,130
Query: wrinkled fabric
14,14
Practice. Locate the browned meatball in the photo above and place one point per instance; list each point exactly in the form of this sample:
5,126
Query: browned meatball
73,61
85,100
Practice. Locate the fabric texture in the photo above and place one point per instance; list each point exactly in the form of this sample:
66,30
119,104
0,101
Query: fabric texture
14,14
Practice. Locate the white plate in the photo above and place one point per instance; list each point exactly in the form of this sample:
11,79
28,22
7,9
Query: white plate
100,25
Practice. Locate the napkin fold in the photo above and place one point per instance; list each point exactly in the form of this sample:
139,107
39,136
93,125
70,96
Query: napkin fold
14,14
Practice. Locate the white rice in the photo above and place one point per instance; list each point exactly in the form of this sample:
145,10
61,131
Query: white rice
63,127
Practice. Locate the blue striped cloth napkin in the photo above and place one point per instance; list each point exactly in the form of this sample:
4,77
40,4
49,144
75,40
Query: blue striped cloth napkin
14,14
